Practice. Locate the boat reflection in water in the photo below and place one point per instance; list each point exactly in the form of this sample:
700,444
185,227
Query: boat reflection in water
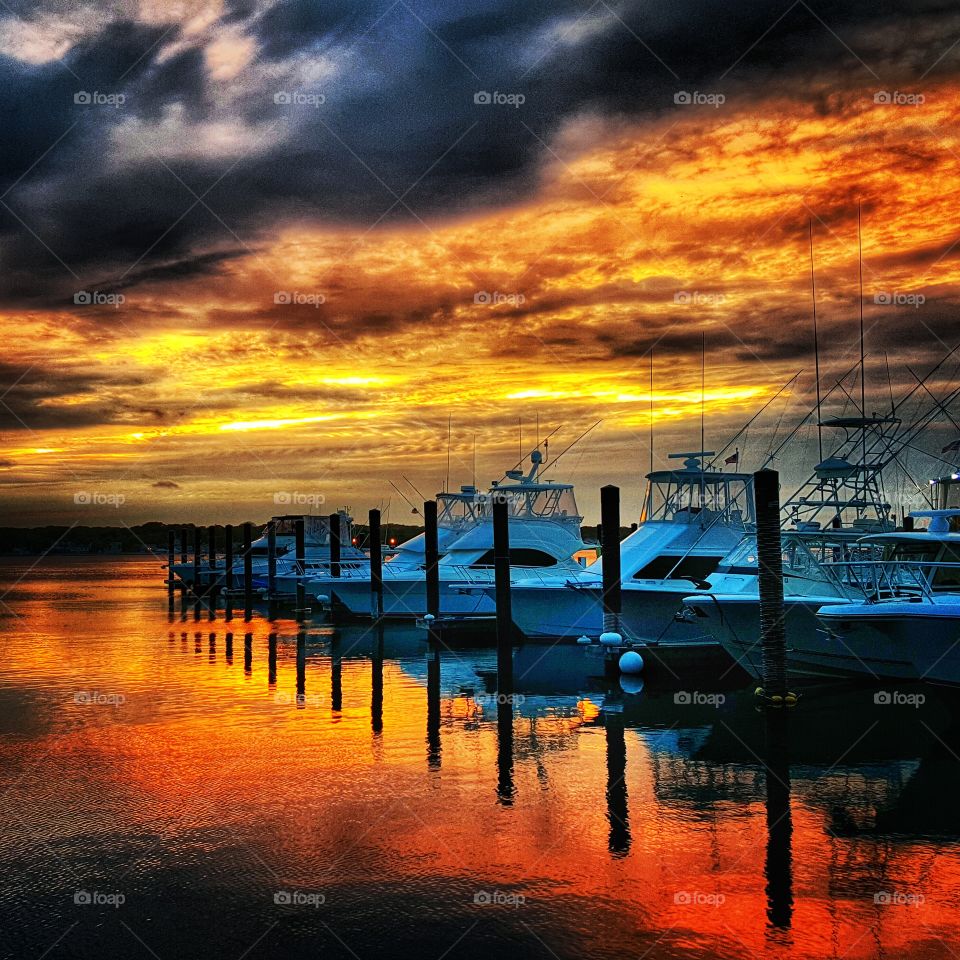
220,775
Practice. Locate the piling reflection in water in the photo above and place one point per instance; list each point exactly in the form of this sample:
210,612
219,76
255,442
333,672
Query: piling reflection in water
617,812
695,860
779,823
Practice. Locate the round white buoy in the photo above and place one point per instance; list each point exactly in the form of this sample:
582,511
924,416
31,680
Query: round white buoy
631,662
323,598
429,618
584,640
631,685
611,639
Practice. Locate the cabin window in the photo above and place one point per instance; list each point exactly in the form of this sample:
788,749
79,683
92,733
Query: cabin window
662,567
520,557
948,577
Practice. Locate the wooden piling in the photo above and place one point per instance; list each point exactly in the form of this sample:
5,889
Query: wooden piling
376,567
196,560
766,492
501,573
610,557
247,573
228,557
431,558
171,554
300,567
334,544
184,534
271,558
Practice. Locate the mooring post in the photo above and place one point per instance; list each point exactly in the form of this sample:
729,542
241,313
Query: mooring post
376,567
433,709
228,557
196,560
271,557
335,544
247,573
501,574
610,557
171,553
907,523
766,493
212,546
301,567
431,558
184,533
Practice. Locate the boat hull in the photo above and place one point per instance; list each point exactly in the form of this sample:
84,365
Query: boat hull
811,651
926,639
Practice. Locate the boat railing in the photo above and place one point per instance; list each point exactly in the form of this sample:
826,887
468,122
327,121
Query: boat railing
889,579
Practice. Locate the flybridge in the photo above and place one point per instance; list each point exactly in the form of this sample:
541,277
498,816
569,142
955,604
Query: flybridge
694,494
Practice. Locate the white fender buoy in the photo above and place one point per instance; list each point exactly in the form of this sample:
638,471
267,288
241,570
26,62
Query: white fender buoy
611,639
631,663
584,640
631,685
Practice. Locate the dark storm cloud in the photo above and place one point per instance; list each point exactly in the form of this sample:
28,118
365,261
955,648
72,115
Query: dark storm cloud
399,133
35,398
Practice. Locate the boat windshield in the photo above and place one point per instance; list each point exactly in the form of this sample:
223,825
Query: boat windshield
539,501
458,509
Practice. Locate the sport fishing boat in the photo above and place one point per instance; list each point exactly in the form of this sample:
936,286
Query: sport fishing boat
694,516
457,512
907,626
839,517
544,526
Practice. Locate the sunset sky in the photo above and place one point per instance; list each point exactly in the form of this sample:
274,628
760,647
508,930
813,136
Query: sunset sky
252,248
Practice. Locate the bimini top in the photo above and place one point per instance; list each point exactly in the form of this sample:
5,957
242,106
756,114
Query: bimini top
529,497
692,493
459,509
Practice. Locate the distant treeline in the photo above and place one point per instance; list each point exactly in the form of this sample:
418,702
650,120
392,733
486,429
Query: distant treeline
152,537
143,538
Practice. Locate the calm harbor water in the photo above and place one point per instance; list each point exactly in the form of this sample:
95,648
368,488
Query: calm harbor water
172,788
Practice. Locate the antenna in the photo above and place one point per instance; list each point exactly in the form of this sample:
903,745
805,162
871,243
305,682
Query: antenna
816,342
863,384
703,375
474,461
449,427
651,409
520,425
